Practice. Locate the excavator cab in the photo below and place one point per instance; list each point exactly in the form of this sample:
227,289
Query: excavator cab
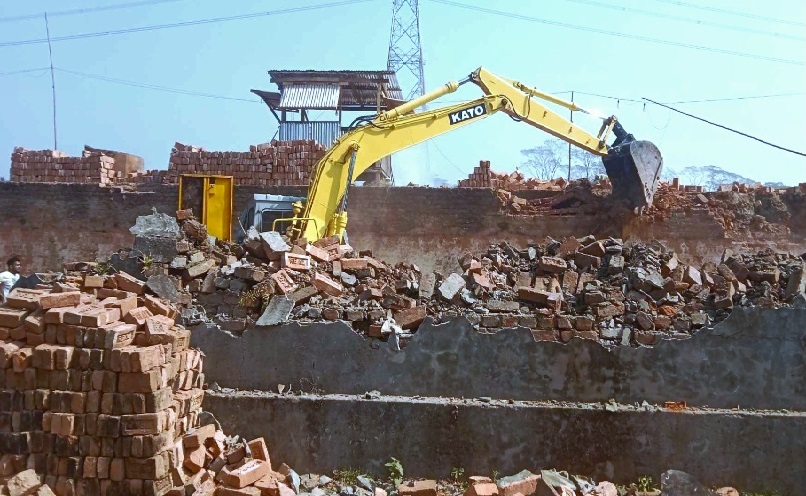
633,167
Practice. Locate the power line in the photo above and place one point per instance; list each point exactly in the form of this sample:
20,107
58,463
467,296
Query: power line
184,23
86,10
689,20
23,71
728,129
731,12
154,87
52,82
614,33
730,99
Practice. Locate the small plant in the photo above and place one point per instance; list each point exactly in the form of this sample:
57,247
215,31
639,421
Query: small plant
347,476
458,476
395,469
496,475
644,484
147,260
105,268
258,296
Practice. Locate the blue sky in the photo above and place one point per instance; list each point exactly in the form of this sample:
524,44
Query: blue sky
230,58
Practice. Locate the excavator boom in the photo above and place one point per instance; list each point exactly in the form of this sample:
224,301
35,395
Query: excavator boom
633,166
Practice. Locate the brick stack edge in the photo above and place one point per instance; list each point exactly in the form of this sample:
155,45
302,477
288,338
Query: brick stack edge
54,166
287,163
279,163
97,386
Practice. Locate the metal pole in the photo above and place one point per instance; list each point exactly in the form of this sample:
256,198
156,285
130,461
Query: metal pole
569,144
52,82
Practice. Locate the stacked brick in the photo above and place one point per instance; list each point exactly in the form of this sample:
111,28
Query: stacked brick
287,163
97,386
479,178
483,177
54,166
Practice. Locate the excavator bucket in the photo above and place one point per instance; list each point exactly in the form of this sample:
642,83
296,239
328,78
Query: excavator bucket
634,169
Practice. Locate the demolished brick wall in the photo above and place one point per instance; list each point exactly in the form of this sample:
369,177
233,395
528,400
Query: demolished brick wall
92,167
287,163
279,163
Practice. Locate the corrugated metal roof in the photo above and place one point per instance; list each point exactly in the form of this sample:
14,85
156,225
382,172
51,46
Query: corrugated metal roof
359,89
311,96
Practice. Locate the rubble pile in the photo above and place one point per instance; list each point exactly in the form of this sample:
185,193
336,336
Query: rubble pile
54,166
286,163
600,289
97,384
483,177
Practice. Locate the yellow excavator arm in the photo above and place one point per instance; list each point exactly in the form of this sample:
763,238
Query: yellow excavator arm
325,211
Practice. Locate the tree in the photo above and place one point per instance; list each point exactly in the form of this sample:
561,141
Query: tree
711,177
585,164
544,160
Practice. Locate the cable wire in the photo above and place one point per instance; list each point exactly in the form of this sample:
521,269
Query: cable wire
86,10
23,71
691,20
154,87
183,23
731,12
802,154
730,99
621,35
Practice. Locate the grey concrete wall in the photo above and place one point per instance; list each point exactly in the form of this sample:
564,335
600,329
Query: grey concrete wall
753,451
754,359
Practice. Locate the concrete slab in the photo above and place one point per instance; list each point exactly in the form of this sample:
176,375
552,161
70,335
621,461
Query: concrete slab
751,450
754,359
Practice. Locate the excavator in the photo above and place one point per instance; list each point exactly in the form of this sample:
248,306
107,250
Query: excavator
633,166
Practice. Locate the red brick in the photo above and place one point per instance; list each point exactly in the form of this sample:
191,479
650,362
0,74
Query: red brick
483,489
246,474
199,436
143,382
285,284
35,322
523,482
295,262
159,307
118,335
327,285
56,315
259,450
22,298
124,305
418,488
60,300
127,282
410,318
137,316
317,253
93,281
353,264
195,459
12,317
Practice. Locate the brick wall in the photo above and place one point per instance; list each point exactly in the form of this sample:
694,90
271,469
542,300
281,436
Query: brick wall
287,163
52,223
92,167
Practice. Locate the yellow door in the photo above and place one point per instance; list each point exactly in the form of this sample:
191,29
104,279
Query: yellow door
218,207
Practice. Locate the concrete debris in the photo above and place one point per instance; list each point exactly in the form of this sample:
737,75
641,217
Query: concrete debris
677,483
602,289
156,225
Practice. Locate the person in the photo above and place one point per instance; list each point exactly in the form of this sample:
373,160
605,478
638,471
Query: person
9,278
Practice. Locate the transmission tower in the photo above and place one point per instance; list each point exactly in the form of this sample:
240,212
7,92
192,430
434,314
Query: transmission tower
405,51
